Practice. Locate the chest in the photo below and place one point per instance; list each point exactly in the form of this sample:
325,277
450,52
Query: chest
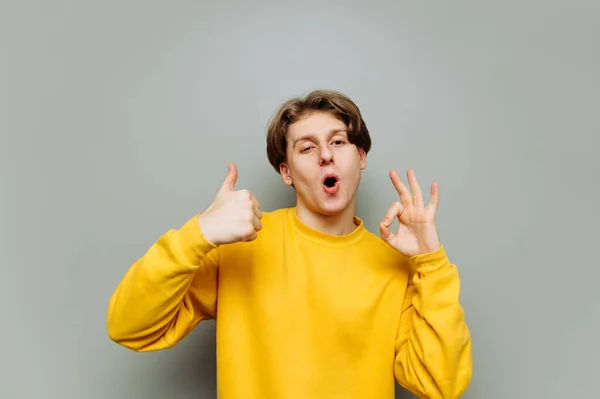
303,285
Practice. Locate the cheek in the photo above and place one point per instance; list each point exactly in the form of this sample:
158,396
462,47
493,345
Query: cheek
301,173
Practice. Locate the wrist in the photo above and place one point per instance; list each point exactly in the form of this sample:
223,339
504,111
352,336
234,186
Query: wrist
191,242
206,231
429,248
429,243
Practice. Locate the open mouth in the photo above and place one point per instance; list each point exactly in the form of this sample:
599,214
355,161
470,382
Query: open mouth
330,181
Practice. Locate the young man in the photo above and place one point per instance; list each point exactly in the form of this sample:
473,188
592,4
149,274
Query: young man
308,303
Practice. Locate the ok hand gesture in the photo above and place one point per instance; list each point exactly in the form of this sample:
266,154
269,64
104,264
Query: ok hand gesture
416,233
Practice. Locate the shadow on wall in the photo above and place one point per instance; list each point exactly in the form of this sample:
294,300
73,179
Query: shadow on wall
402,393
191,372
185,371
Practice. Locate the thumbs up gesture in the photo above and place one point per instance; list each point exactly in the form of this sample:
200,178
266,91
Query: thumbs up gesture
233,215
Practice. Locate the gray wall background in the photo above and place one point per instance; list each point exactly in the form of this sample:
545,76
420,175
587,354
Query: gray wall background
118,119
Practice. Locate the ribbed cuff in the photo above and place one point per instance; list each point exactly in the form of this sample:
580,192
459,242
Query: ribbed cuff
430,262
192,243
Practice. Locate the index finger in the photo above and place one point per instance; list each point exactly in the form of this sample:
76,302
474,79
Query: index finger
400,187
257,210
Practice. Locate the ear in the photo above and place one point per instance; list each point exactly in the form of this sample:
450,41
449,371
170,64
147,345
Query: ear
284,170
363,158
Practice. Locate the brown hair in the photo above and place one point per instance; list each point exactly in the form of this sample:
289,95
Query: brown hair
338,104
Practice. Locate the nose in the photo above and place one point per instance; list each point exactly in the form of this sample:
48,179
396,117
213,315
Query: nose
326,157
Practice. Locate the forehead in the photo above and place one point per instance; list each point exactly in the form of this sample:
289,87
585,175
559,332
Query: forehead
316,124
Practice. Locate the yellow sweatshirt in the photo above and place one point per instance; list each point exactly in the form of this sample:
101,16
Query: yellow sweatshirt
302,314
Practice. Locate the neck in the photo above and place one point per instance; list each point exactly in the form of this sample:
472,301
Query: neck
337,224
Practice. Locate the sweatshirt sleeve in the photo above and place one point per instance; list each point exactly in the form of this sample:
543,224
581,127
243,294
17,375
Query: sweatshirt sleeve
433,347
166,292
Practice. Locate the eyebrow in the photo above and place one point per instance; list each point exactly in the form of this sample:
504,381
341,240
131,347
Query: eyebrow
310,137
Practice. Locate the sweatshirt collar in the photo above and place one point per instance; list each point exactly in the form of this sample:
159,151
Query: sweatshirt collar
322,238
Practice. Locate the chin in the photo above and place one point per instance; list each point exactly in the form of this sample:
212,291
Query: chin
332,207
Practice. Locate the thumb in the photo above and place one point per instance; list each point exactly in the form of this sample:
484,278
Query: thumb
230,179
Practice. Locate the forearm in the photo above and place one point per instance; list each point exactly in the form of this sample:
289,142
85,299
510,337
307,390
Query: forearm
152,307
434,344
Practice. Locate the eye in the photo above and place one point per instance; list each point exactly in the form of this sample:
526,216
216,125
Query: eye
338,142
305,149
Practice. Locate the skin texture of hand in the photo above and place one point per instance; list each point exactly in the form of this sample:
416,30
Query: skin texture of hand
416,233
233,216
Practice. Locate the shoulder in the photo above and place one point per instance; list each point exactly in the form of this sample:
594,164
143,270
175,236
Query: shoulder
275,214
273,223
274,218
383,252
377,243
273,226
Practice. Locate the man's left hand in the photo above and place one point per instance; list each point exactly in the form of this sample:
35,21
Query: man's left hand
417,233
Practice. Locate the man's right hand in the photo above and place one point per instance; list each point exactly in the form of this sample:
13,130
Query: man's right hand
233,216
